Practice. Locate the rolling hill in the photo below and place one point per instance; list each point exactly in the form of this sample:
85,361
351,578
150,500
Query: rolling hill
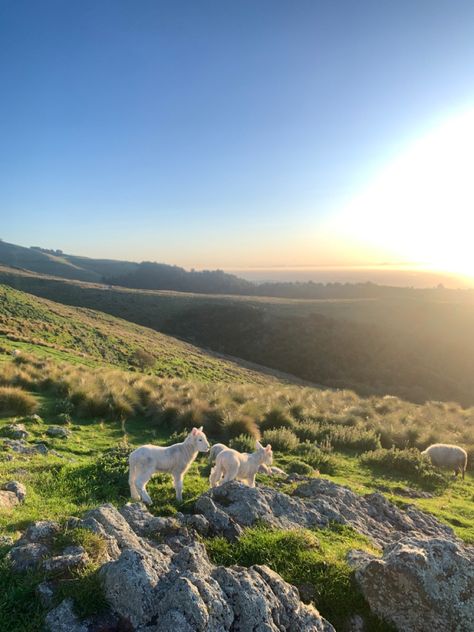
418,348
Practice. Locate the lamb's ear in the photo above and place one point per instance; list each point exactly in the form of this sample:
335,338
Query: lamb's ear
200,429
194,431
258,445
268,448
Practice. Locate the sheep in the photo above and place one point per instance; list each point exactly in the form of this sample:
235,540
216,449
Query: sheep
263,469
215,450
175,459
444,455
231,465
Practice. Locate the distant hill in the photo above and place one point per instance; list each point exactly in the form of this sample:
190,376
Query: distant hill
31,323
145,275
419,347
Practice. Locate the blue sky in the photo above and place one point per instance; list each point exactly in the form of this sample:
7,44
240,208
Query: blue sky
220,133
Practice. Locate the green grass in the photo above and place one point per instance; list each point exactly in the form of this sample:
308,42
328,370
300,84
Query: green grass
316,559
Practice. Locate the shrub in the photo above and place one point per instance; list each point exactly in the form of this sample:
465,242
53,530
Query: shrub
15,401
354,439
315,457
409,463
311,431
299,467
243,443
276,418
281,439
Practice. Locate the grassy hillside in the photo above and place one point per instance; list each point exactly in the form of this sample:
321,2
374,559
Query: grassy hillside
418,348
110,410
28,322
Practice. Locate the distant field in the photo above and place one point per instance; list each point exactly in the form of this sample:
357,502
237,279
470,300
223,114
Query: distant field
417,344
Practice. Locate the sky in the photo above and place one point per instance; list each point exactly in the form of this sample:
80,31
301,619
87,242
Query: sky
257,133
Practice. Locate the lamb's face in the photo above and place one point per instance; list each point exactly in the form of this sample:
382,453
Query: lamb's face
200,440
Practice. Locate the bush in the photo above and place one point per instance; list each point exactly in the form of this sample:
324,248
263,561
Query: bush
315,457
408,463
299,467
243,443
354,439
311,431
15,401
242,425
281,439
276,418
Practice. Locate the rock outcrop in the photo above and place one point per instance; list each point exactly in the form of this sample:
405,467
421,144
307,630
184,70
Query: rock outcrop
315,503
420,585
167,582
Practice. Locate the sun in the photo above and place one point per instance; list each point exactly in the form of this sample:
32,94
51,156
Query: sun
420,207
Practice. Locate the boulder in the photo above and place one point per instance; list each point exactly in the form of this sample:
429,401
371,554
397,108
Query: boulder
168,583
26,556
16,431
17,488
21,447
72,558
420,585
315,503
8,500
59,432
64,619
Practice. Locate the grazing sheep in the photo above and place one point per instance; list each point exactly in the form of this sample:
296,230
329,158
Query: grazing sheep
175,459
232,465
444,455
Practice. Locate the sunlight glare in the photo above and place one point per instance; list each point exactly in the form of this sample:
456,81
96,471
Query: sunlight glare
420,208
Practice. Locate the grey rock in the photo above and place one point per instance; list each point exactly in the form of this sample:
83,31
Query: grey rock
8,500
21,447
32,419
315,503
64,619
58,432
420,585
158,586
355,623
16,431
6,540
73,557
17,488
27,555
41,531
45,593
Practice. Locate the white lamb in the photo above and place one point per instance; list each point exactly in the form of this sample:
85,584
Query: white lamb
232,465
175,460
444,455
215,450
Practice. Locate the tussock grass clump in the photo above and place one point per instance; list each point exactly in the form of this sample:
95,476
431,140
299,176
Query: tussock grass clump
408,463
15,401
276,418
281,439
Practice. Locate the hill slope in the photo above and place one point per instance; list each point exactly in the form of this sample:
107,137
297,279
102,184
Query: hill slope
419,348
28,322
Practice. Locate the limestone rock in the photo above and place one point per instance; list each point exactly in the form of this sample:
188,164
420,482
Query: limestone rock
420,585
315,503
16,431
8,500
58,432
17,488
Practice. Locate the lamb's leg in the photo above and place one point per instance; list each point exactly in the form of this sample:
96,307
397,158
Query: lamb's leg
178,486
215,476
141,482
251,481
131,481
